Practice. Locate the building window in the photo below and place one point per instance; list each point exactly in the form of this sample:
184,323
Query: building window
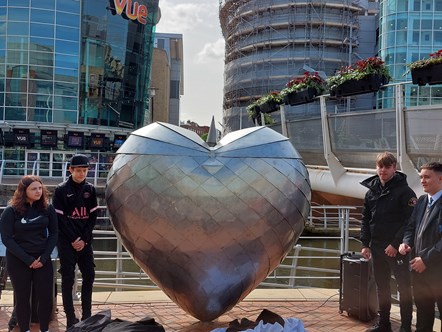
160,43
174,89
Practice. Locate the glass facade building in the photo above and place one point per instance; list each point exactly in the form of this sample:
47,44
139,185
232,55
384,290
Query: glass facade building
82,62
410,30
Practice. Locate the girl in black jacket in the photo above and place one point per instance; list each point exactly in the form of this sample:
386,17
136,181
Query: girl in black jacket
29,231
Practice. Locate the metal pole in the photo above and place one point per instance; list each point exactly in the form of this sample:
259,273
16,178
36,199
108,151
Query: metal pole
283,121
350,50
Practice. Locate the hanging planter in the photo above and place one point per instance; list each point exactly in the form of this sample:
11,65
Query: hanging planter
254,113
268,103
269,106
303,90
427,71
368,84
427,75
301,97
367,76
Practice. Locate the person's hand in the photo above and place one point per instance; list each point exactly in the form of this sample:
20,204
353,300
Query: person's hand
391,251
78,244
418,265
366,253
404,248
36,264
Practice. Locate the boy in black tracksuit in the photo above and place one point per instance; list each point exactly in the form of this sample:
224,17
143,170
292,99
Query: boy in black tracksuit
75,202
388,205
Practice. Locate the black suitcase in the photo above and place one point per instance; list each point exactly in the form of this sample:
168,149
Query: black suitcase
357,292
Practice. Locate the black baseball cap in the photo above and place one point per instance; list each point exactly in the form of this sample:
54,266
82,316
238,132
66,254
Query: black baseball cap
79,160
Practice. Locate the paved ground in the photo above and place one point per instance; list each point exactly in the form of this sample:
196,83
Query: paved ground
318,309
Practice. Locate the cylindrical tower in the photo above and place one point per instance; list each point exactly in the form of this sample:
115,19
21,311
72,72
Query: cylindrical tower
268,42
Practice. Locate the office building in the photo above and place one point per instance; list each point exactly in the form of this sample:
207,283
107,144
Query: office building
167,81
409,31
74,74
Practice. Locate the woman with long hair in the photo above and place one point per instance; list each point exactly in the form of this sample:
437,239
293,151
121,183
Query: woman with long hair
29,231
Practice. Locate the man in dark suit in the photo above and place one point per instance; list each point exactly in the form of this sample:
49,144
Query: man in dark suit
423,238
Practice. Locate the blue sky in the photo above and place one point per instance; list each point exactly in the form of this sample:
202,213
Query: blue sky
197,21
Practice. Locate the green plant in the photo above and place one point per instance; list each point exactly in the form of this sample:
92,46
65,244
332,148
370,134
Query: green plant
360,70
254,113
253,109
434,59
308,80
271,96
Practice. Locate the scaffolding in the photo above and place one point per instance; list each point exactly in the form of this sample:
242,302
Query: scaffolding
268,42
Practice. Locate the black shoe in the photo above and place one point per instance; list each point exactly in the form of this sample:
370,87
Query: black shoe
380,328
70,321
85,316
405,329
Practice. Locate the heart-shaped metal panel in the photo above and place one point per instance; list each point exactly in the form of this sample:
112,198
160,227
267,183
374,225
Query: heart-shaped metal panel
207,224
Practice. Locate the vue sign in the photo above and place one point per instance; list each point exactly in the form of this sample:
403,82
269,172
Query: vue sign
132,12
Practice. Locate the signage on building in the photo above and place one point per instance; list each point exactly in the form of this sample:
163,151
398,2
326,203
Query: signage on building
97,140
48,138
21,136
129,9
75,139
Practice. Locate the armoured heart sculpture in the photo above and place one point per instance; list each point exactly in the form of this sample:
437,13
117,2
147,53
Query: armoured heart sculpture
207,224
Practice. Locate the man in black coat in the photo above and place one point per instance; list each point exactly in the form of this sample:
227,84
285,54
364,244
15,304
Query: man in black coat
388,204
423,238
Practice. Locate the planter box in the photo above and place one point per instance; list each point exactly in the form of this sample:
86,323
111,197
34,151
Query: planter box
431,75
268,107
368,84
300,97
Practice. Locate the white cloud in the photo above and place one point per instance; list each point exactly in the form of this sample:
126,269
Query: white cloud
183,17
211,51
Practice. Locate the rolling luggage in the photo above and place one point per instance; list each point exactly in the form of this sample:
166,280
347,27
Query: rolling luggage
357,292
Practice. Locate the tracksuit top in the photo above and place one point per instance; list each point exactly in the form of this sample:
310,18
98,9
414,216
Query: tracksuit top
76,207
31,235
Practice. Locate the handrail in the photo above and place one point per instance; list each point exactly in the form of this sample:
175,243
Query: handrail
292,272
97,173
2,169
304,264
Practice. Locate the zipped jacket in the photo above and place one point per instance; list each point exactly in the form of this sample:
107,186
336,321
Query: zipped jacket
386,211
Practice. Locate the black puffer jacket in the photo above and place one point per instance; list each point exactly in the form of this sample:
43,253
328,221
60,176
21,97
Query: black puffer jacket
386,211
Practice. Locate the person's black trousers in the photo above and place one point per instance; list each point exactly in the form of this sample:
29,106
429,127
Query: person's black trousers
383,268
427,292
69,257
23,279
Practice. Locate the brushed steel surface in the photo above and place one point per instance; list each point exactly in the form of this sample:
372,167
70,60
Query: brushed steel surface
207,224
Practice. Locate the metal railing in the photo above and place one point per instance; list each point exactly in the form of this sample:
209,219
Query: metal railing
311,262
307,261
49,171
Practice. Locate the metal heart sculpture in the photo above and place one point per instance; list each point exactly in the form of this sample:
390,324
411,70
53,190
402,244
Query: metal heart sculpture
207,224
